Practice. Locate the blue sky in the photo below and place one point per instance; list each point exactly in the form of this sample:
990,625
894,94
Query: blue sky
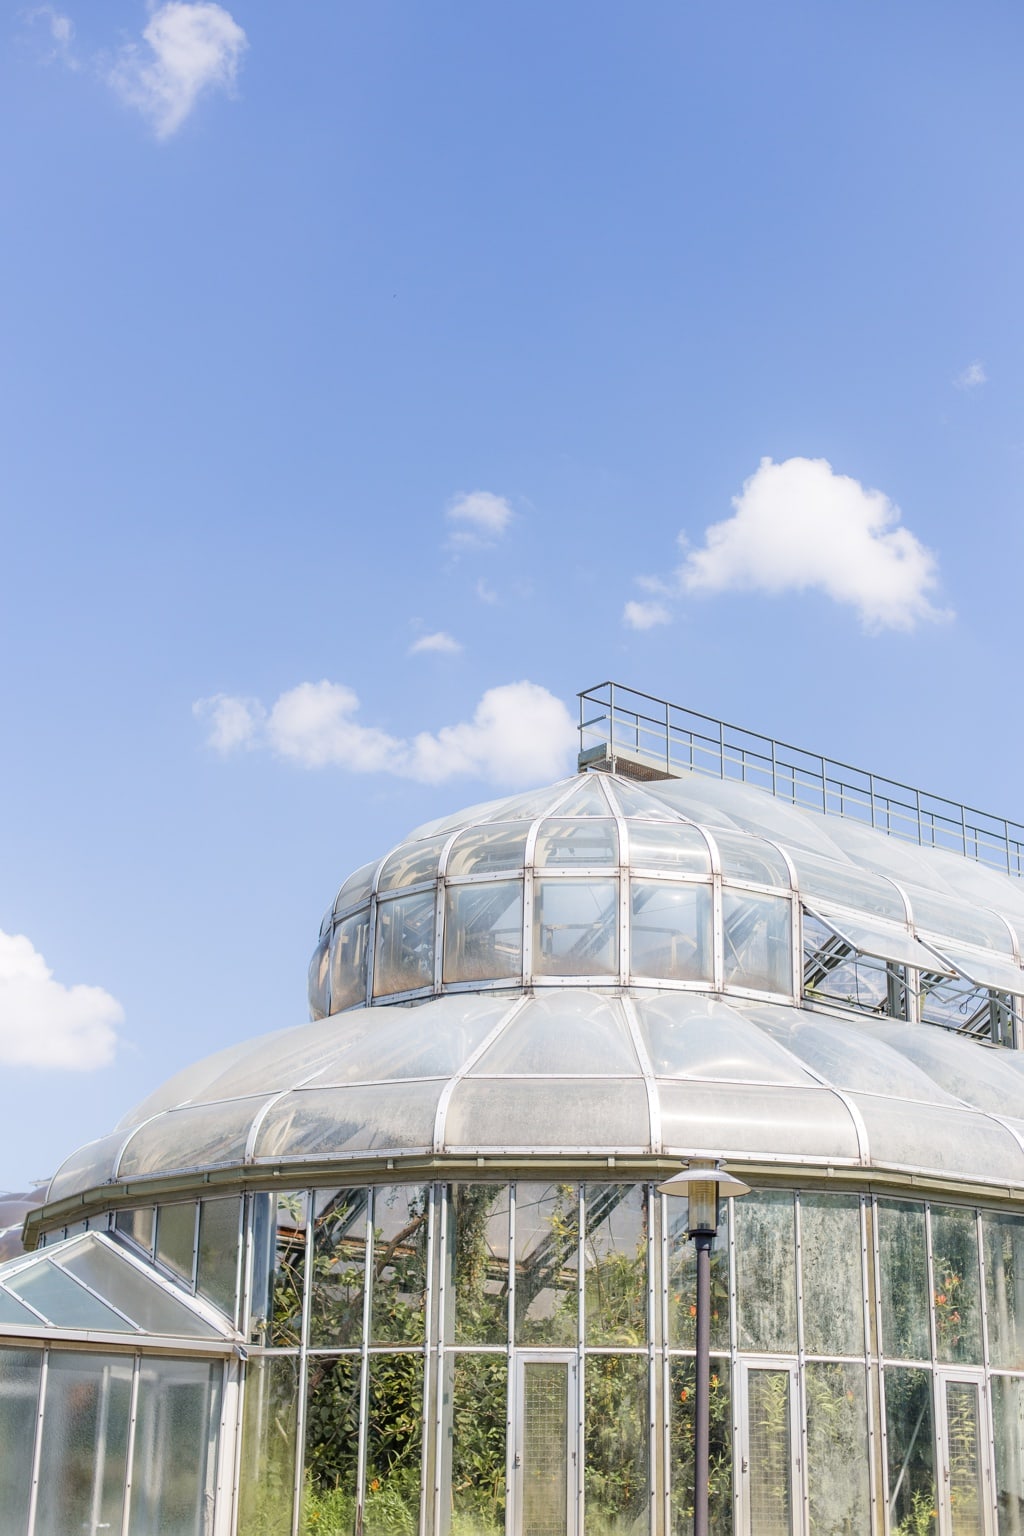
329,330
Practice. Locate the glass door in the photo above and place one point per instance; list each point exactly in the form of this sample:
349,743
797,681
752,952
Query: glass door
965,1477
769,1465
543,1445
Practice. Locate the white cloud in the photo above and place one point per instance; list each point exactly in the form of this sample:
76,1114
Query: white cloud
192,46
973,375
234,721
485,593
46,1024
645,615
479,518
62,33
519,732
441,643
798,526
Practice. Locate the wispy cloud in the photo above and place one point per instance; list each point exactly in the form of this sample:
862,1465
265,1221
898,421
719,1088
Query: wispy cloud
798,526
485,592
441,644
477,519
234,722
518,733
61,30
973,375
46,1024
191,47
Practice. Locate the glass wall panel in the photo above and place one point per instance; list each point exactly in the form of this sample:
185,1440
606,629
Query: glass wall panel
339,1266
279,1262
488,850
1003,1237
394,1443
19,1406
176,1238
483,933
404,953
319,979
479,1399
616,1416
267,1472
682,1384
682,1279
349,943
576,927
399,1280
671,931
547,1264
832,1274
766,1272
1008,1427
356,888
218,1253
910,1452
757,936
837,1450
668,845
751,858
332,1444
139,1225
84,1449
615,1264
412,863
570,841
904,1272
174,1460
478,1230
957,1281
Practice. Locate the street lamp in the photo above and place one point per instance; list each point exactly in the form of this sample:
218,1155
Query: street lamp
705,1183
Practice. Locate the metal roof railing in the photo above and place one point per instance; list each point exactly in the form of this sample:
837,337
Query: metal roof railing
655,738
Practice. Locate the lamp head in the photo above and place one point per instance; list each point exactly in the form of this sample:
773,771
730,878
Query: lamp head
704,1184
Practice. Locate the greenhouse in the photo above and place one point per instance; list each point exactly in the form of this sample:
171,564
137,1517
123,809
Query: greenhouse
404,1269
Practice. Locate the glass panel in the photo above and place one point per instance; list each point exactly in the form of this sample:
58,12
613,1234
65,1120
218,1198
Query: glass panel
478,1216
12,1311
152,1306
903,1265
749,858
566,841
19,1406
194,1137
328,1122
682,1280
835,971
483,850
332,1444
431,1040
766,1272
411,864
90,1165
565,1033
319,976
757,937
139,1225
218,1253
279,1264
682,1386
176,1238
532,1112
545,1474
400,1221
348,961
633,801
356,888
615,1264
268,1445
1008,1426
62,1300
985,968
670,931
964,1482
891,941
547,1264
957,1284
911,1456
955,1003
837,1450
830,1256
174,1459
848,886
968,922
82,1466
339,1265
1003,1237
616,1417
404,956
479,1410
575,927
770,1488
483,931
668,845
393,1446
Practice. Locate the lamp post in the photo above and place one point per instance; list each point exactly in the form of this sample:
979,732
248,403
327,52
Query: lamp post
705,1183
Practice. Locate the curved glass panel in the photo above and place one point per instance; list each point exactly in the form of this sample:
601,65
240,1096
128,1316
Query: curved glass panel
433,1039
196,1137
356,888
634,801
562,1035
412,864
567,842
483,931
848,886
185,1085
926,1136
90,1165
325,1122
319,996
488,850
748,858
575,927
983,967
839,1053
528,807
548,1112
941,916
720,1118
889,941
404,951
671,933
758,941
700,1038
349,943
669,845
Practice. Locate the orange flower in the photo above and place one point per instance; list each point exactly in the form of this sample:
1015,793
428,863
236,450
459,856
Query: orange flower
375,1485
684,1394
693,1311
